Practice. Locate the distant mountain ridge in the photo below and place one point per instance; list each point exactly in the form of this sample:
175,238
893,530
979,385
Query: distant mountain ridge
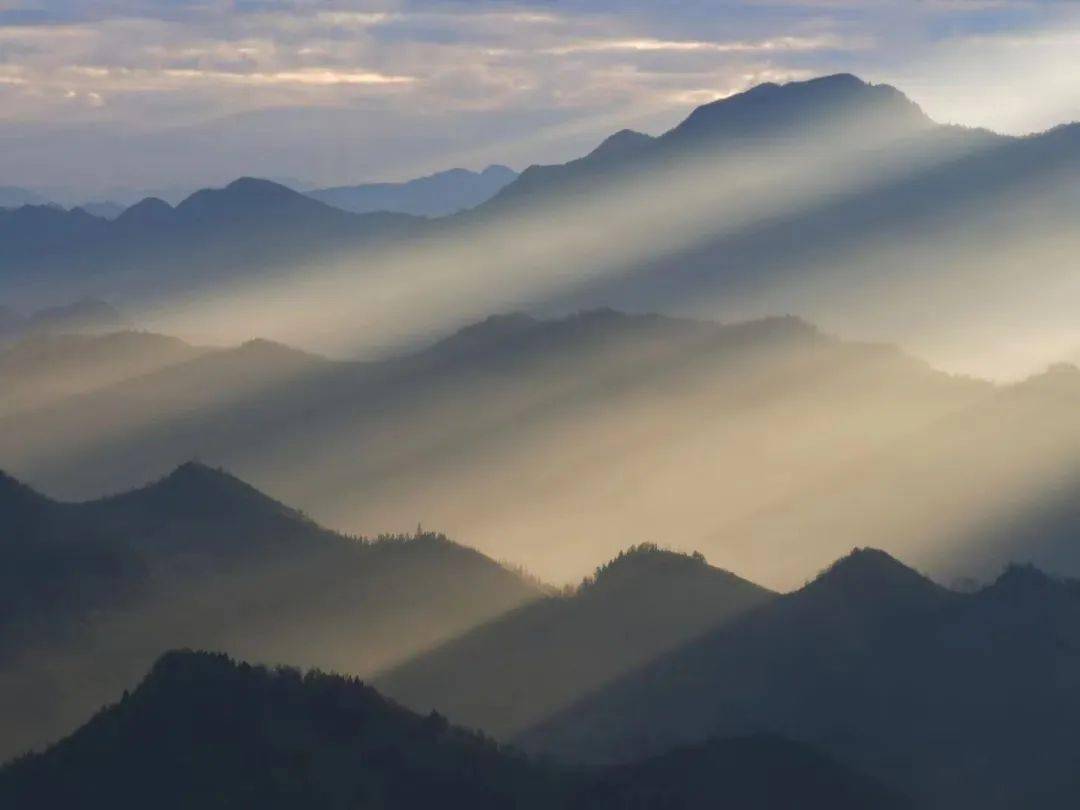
44,367
930,175
510,405
152,248
791,112
436,195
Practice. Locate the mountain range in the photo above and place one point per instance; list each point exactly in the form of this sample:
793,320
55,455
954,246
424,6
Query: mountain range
959,699
92,592
769,200
153,247
49,368
635,679
743,487
477,433
436,195
202,730
640,604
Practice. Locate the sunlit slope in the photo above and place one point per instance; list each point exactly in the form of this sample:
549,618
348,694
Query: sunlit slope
991,483
550,443
832,199
43,369
94,591
962,700
523,667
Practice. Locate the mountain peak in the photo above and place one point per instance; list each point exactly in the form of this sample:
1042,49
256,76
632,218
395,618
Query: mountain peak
1022,580
197,489
256,186
148,211
623,144
250,197
645,559
842,101
487,333
873,575
499,171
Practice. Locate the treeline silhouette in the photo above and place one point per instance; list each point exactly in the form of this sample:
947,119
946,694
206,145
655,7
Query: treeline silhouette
204,731
92,592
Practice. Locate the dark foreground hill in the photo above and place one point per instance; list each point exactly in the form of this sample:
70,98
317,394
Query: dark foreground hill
743,772
521,668
91,592
203,731
961,700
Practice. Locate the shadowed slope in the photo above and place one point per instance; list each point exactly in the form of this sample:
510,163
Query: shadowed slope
523,667
39,371
94,591
961,700
201,730
991,483
761,771
508,431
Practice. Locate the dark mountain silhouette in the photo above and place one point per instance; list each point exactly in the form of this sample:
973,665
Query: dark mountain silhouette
249,226
796,113
950,191
25,230
435,195
93,591
250,200
775,110
202,730
759,771
774,241
958,699
522,667
45,368
150,212
506,432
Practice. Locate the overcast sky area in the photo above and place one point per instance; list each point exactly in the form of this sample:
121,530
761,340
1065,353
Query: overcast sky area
101,95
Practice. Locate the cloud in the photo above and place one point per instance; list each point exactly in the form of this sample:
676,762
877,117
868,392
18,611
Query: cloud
780,44
583,67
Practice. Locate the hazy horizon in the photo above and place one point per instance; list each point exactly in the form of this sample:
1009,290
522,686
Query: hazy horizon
193,95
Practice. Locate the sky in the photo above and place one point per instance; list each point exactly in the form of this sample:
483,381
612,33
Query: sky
113,98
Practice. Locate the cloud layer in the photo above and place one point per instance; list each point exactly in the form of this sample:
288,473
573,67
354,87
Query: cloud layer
141,93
